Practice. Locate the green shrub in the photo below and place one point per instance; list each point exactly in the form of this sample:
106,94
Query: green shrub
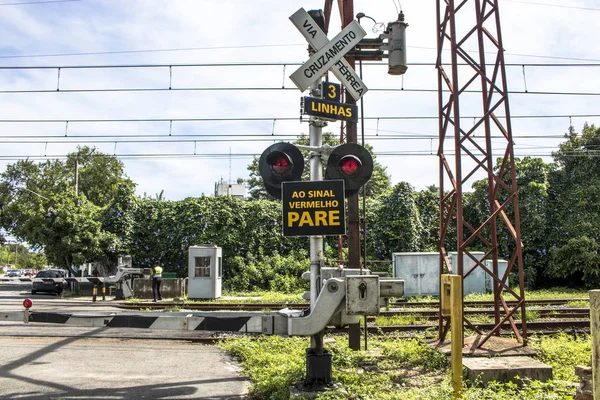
563,353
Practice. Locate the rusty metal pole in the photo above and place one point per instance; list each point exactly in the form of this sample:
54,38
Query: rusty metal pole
353,220
475,146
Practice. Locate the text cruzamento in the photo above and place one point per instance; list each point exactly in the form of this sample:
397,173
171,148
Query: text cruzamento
338,47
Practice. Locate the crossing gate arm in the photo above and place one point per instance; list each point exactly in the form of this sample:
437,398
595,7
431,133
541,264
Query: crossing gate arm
266,323
361,292
329,302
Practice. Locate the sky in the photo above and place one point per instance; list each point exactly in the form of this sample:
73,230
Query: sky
205,129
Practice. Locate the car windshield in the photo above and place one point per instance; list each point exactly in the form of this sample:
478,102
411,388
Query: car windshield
43,274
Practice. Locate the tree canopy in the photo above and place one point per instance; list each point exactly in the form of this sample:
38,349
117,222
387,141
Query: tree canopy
42,208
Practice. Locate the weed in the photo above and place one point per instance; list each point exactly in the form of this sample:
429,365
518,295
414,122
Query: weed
578,304
563,352
408,319
405,369
532,315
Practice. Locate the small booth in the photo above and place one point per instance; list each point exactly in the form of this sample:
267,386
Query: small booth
205,272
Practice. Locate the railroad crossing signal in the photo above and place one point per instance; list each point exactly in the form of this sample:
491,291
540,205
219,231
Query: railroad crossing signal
283,162
278,163
352,163
329,55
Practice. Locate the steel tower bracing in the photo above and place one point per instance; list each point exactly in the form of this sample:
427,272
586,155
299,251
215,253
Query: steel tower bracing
468,32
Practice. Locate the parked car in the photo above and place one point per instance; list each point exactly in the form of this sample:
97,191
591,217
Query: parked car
50,281
30,272
14,273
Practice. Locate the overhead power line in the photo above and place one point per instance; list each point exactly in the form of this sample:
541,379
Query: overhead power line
192,137
37,2
249,119
426,153
99,53
259,89
178,139
272,64
553,5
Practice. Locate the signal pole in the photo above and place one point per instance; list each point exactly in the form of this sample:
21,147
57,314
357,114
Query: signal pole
353,221
316,242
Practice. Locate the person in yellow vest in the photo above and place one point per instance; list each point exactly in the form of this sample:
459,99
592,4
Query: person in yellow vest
156,281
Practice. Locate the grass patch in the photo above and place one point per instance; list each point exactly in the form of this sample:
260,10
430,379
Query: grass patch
408,319
263,297
543,294
404,369
578,304
564,352
532,315
480,318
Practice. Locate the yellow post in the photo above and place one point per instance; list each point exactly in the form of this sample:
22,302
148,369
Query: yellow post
456,324
595,330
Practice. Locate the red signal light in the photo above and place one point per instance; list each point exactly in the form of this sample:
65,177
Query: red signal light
280,164
350,165
27,303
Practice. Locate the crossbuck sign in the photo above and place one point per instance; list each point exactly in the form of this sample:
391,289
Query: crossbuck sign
329,55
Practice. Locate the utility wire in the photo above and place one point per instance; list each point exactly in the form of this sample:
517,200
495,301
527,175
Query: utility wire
553,5
255,46
274,64
98,53
194,137
250,119
179,140
37,2
277,88
426,153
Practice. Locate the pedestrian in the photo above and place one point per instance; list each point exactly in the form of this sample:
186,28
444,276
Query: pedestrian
156,281
95,272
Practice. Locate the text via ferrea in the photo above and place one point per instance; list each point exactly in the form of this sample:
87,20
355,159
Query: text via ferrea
313,208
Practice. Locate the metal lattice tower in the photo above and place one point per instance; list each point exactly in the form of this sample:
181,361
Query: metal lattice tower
468,32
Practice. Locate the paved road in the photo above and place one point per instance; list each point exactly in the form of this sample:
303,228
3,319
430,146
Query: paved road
93,368
49,361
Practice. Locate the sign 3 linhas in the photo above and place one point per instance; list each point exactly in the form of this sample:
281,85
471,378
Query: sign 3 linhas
330,109
313,208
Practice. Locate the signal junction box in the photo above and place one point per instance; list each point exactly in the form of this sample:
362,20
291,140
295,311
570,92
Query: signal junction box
362,294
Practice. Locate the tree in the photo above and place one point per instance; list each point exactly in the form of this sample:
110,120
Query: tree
532,177
573,208
41,207
582,257
396,225
20,256
428,204
379,182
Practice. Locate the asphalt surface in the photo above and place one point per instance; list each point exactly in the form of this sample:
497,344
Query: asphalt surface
52,361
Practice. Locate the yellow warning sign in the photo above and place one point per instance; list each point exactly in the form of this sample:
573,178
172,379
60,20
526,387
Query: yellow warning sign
313,208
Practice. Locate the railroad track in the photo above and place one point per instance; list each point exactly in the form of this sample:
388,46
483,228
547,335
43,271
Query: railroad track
475,304
536,326
563,313
554,319
303,306
215,306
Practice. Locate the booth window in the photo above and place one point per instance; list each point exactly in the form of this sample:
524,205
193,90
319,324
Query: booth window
220,271
202,267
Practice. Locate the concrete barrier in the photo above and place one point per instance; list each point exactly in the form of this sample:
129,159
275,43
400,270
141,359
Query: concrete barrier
142,288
